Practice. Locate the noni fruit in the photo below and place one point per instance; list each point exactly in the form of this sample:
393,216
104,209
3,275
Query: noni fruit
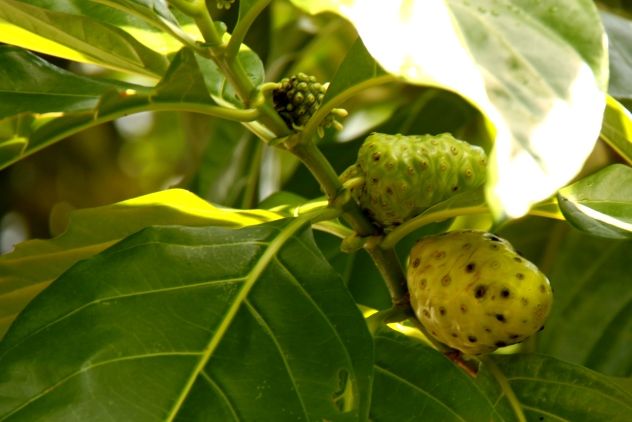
404,175
472,291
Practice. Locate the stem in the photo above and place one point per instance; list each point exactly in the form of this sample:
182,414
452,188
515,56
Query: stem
504,386
249,200
242,27
391,239
389,266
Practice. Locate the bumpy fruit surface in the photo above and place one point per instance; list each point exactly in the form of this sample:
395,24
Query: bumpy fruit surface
298,98
404,175
473,292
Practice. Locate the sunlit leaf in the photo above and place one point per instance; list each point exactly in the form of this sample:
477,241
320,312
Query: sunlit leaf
249,324
617,128
80,37
36,263
600,204
545,104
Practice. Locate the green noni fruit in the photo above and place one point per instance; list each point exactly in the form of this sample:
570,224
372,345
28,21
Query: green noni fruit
404,175
473,292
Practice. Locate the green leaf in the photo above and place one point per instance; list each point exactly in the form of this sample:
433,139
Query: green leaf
217,84
36,263
68,103
357,67
616,129
591,319
545,104
76,37
549,389
414,382
47,88
600,204
620,48
214,323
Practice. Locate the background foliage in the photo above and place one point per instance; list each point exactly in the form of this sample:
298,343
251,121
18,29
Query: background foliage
179,275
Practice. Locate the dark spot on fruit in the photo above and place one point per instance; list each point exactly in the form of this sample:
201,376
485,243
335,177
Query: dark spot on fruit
455,335
542,288
446,279
517,259
488,330
500,344
376,156
411,171
454,150
501,318
439,254
463,308
541,328
514,336
389,190
493,246
524,321
416,262
541,418
423,165
374,181
423,283
472,339
455,188
524,301
390,165
494,238
520,276
504,293
493,297
434,333
442,310
469,173
480,291
495,264
469,268
425,313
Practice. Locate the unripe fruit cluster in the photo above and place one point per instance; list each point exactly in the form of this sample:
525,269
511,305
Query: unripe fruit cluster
473,292
297,99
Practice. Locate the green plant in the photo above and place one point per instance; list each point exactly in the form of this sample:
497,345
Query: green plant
216,301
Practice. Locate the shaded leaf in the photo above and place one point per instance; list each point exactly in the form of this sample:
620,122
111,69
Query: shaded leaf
176,335
34,264
601,204
414,382
549,389
485,52
591,319
81,38
620,48
358,66
68,103
47,88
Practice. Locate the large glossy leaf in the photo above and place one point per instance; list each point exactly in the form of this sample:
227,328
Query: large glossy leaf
192,323
545,103
600,204
67,103
548,389
34,264
414,382
591,319
76,37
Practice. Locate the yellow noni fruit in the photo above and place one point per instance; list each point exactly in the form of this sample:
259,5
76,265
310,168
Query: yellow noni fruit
472,291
